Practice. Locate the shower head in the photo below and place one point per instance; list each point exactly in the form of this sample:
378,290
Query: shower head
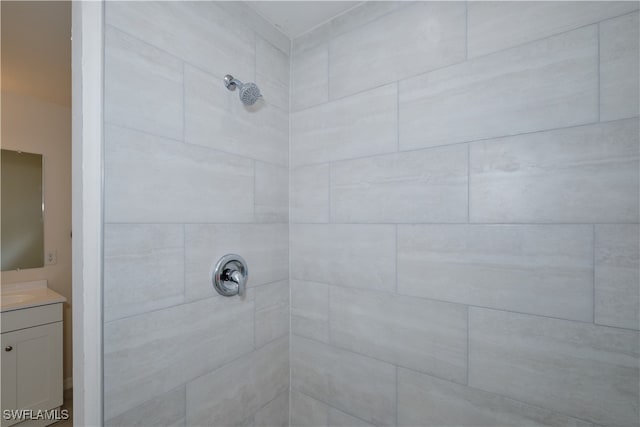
249,92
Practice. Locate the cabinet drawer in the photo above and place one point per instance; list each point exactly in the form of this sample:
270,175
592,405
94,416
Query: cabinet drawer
29,317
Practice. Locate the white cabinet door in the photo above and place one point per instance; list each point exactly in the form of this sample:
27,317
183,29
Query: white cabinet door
32,368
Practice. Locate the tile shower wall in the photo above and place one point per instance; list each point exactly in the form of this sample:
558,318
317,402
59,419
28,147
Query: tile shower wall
191,174
464,216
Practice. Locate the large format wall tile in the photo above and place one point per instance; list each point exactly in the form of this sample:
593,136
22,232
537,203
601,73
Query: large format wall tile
546,84
263,246
575,368
272,74
357,17
310,310
151,179
427,336
199,32
360,125
538,269
340,419
143,268
581,174
167,410
617,276
307,411
230,395
309,77
272,193
360,256
310,194
216,118
352,383
427,401
274,413
415,39
619,69
142,86
496,25
272,312
150,354
420,186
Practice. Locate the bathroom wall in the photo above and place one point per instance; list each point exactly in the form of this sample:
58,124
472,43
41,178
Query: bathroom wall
190,175
35,125
464,216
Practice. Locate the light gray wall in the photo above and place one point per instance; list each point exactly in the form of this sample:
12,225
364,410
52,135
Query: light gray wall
464,216
190,174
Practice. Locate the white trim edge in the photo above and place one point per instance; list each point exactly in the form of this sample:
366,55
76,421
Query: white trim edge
87,95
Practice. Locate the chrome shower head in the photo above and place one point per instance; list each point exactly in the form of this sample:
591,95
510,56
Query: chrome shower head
249,92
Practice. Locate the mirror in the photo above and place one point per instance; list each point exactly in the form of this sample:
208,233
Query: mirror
22,210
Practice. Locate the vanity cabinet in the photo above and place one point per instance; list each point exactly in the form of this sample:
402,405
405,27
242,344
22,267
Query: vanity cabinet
32,359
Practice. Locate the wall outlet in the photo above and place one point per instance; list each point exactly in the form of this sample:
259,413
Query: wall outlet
51,258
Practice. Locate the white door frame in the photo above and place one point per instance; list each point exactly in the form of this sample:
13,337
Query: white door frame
87,208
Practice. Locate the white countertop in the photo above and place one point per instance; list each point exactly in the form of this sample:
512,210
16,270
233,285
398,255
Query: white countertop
16,296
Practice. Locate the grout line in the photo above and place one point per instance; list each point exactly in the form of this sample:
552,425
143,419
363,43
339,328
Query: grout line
398,116
329,191
510,397
397,379
184,104
396,258
472,141
329,406
184,262
369,356
593,272
390,293
469,183
599,83
194,145
468,335
289,222
424,72
466,30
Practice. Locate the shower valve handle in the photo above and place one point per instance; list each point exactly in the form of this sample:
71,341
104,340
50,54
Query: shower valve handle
230,275
236,277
